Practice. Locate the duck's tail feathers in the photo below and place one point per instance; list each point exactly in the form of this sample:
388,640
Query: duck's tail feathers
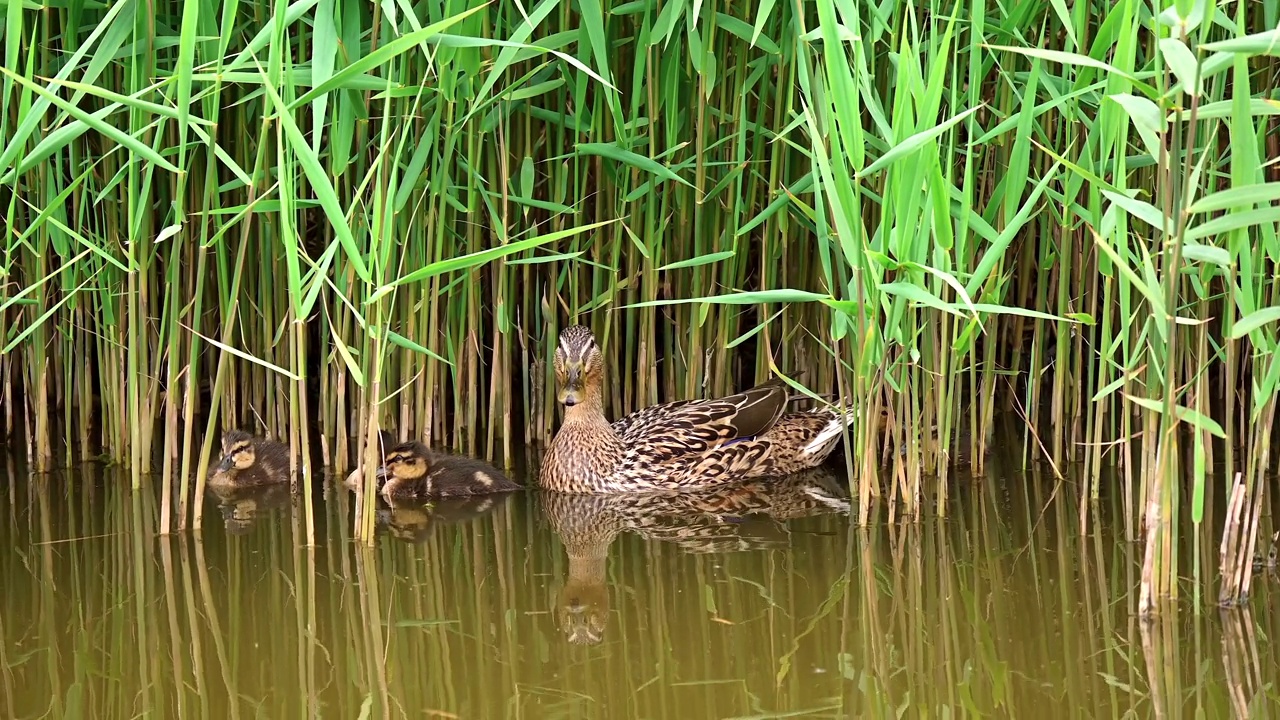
824,441
836,503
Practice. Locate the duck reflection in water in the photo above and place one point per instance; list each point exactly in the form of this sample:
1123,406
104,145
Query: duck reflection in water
243,507
732,518
412,520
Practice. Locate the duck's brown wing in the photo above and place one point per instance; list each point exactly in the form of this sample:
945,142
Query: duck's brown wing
701,425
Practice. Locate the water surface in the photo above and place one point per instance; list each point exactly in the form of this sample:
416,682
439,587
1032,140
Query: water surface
755,605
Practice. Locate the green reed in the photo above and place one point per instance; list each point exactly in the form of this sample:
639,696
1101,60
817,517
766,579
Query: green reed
348,216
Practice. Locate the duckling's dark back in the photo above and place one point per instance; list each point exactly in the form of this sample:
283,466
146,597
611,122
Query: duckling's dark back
455,475
273,457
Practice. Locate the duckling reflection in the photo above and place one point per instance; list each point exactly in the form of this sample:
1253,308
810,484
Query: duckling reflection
244,507
1271,561
249,461
412,520
712,520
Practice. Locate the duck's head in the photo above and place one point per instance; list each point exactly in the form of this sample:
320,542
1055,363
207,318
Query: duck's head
583,612
579,365
406,461
237,451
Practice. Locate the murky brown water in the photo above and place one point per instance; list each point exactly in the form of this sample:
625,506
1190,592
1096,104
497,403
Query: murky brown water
757,605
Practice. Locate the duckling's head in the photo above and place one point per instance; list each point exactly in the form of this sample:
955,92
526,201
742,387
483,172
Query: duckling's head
410,522
237,451
406,461
579,365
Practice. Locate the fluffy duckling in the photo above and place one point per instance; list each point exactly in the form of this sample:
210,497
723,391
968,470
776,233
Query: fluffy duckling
248,461
411,470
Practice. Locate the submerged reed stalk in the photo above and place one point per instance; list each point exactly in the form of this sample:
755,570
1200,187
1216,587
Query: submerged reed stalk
1239,540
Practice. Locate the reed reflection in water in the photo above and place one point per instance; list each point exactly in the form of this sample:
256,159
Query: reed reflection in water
746,603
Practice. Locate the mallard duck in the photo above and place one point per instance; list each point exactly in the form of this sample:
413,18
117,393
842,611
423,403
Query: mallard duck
675,445
248,461
411,470
699,521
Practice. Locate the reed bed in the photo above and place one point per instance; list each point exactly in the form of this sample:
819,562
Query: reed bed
319,218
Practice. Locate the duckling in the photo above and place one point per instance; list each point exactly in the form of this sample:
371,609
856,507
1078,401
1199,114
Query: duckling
248,461
1272,559
411,470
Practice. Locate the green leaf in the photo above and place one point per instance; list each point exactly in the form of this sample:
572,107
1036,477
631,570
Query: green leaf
1066,58
245,356
1253,321
320,183
345,353
1224,224
1196,419
397,339
1263,43
1183,64
762,16
742,30
700,260
1206,253
1153,296
383,55
92,120
1140,209
740,298
1146,120
918,294
481,257
913,143
1238,196
613,152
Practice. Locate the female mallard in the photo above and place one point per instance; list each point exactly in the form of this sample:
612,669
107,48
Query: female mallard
249,461
676,445
411,470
